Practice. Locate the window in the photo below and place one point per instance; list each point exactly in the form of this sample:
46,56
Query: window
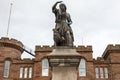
30,72
106,72
6,68
21,72
45,67
101,73
82,68
97,72
25,72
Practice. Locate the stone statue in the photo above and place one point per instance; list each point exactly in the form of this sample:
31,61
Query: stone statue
63,34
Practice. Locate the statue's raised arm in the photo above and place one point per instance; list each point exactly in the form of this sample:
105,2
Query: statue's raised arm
54,6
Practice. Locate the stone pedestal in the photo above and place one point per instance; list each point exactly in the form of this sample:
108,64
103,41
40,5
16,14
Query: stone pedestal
64,63
64,73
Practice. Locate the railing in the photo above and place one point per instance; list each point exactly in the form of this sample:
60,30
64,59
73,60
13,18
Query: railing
28,50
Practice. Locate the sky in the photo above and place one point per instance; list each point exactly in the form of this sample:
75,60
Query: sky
95,22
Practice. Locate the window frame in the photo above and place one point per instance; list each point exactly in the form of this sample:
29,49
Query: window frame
45,67
30,72
25,72
6,68
82,68
21,72
97,72
106,72
101,73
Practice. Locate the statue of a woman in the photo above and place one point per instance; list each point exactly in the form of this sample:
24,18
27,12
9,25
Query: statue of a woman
63,35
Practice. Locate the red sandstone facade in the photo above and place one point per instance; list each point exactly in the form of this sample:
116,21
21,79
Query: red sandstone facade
11,50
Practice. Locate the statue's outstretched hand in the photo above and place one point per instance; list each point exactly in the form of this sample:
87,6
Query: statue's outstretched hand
59,1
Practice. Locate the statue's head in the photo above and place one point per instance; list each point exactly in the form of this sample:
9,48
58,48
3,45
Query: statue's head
63,7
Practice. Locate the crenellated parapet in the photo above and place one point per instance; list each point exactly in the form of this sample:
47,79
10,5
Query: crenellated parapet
50,48
111,48
84,48
99,60
13,43
44,48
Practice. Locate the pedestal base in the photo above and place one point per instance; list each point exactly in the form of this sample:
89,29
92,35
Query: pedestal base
64,73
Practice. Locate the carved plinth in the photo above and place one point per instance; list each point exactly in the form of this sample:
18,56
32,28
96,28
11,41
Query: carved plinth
63,56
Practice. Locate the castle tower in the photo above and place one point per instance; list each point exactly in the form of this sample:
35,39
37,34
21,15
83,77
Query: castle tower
10,48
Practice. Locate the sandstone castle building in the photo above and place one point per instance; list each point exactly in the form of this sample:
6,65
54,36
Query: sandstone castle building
42,67
62,61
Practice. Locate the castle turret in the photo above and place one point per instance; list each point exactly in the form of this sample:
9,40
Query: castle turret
10,48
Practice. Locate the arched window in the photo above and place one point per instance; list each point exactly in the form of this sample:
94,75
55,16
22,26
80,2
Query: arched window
82,68
45,67
6,68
